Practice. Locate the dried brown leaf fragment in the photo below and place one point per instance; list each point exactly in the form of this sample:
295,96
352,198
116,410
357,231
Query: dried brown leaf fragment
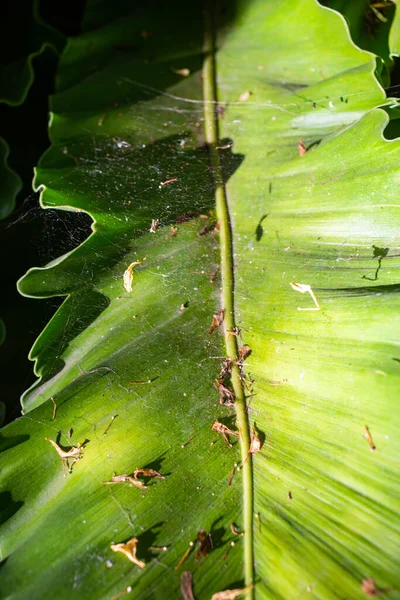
225,369
370,588
235,530
224,430
226,396
147,473
129,549
301,147
68,457
231,594
244,352
369,439
245,96
123,479
205,541
186,216
217,320
304,288
154,224
128,274
187,585
168,181
255,442
182,72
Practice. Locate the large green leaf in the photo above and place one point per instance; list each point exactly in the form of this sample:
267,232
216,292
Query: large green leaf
125,121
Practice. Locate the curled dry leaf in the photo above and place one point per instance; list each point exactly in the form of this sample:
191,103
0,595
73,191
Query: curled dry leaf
217,319
301,147
224,430
226,396
154,225
129,549
230,594
186,216
225,369
128,274
304,288
370,588
369,439
205,541
187,585
123,479
68,457
245,96
255,443
244,352
168,181
181,72
147,473
205,230
235,530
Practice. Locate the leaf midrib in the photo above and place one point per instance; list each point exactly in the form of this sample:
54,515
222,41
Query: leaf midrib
211,130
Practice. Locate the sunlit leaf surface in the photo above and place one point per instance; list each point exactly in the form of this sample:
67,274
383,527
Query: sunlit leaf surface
127,379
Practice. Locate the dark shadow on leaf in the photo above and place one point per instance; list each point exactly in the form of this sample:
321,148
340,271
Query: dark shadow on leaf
259,229
155,464
75,314
315,143
217,534
371,290
379,253
8,506
229,421
10,442
369,23
140,172
148,540
69,447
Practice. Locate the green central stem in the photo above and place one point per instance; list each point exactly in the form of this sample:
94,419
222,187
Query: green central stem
225,230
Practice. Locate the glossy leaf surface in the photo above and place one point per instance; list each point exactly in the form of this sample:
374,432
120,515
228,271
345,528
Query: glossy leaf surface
312,189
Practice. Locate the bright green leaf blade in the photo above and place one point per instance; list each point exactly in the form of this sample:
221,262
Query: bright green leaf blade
328,505
118,134
394,37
